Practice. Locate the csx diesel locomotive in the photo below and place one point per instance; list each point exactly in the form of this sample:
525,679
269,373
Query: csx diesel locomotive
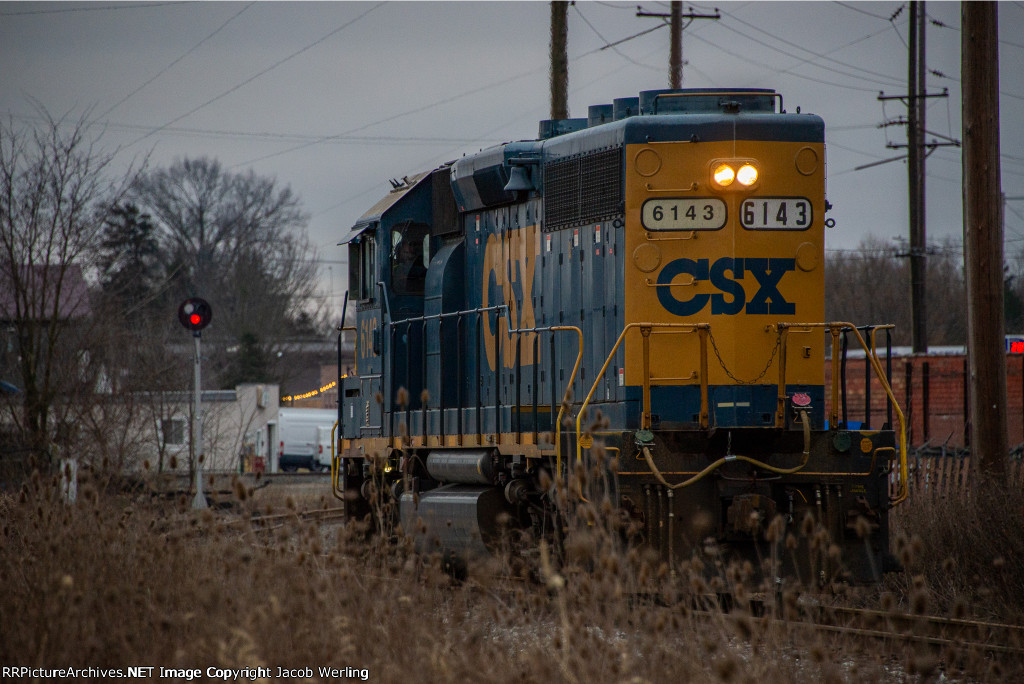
641,289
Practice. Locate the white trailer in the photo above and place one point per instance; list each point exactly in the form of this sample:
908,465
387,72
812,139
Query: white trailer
302,444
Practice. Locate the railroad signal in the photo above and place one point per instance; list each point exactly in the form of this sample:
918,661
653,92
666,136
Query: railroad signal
195,313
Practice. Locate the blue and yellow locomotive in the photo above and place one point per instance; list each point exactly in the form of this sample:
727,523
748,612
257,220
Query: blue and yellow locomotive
645,284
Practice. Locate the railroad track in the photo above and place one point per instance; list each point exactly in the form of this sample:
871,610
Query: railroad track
935,630
275,520
190,526
176,483
940,632
932,630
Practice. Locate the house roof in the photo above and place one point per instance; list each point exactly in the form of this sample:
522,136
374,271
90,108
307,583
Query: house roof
40,293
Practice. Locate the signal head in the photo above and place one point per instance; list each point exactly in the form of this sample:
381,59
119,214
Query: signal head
195,313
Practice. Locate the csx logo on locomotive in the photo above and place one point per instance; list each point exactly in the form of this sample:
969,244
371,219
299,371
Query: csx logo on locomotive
732,298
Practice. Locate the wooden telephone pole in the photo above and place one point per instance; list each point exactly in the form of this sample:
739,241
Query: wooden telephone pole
917,151
559,59
676,26
915,164
916,99
675,55
983,237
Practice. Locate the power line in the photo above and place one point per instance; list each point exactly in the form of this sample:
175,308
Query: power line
940,24
939,74
852,127
793,74
612,45
628,38
815,54
269,136
482,136
885,78
453,98
859,10
829,143
92,8
257,75
169,66
485,134
424,108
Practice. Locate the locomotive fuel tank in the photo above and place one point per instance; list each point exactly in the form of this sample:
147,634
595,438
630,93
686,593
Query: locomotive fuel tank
456,517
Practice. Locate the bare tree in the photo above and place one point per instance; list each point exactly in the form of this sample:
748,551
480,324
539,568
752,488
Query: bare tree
947,294
239,241
868,285
55,191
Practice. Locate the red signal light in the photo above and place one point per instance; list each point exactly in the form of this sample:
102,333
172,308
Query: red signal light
195,314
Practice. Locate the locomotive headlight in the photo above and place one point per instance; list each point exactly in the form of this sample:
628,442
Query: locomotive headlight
747,175
734,175
724,175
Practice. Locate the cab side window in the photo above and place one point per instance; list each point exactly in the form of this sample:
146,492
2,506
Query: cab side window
410,255
362,266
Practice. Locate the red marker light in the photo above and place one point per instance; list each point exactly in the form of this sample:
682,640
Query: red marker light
195,319
801,399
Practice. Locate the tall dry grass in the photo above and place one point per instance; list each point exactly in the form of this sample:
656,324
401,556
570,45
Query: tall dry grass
113,581
963,553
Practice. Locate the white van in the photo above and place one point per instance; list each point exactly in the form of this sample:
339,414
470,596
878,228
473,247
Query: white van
303,444
324,440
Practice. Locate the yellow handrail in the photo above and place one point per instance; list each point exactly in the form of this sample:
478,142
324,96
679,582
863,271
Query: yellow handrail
334,465
565,396
701,328
338,493
835,328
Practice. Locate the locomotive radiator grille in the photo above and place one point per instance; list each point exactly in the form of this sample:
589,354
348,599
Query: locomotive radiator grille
582,189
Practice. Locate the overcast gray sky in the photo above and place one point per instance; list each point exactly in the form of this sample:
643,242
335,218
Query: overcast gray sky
334,98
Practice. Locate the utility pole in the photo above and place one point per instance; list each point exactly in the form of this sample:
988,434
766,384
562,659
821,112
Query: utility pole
559,59
675,53
676,26
917,151
915,169
983,237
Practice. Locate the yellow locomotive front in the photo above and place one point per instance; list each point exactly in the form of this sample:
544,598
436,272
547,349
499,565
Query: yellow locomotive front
725,343
724,241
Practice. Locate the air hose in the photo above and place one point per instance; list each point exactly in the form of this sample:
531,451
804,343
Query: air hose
731,457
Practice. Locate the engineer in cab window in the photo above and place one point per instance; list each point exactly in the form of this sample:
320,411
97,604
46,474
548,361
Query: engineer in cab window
409,269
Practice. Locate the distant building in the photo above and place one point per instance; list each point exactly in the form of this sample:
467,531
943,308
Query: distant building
239,430
36,301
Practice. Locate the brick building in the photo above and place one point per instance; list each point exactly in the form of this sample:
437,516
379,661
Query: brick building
931,389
